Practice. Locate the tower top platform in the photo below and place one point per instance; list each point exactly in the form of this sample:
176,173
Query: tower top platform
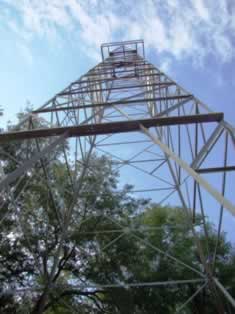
122,48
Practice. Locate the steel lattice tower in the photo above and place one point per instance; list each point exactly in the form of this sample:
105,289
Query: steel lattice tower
176,149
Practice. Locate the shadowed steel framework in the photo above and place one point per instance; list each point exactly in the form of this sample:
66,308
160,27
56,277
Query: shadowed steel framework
169,144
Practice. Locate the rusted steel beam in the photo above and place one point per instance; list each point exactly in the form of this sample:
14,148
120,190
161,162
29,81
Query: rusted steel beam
107,128
215,169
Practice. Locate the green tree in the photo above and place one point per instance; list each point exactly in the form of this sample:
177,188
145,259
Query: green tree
112,239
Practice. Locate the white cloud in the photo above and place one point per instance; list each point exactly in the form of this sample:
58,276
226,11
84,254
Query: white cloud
183,29
201,9
166,65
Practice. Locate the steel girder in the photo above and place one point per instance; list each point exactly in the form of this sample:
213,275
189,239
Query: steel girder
174,154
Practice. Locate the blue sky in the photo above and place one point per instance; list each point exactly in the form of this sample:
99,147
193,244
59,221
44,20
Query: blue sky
49,43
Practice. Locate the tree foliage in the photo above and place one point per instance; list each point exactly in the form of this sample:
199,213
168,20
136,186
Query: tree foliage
112,239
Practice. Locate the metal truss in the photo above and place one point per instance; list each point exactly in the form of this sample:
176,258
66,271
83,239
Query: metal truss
160,137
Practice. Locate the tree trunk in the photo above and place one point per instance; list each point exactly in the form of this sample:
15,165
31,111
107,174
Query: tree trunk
41,303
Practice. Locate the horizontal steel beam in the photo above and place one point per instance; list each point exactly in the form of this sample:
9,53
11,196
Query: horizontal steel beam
98,73
215,169
118,102
107,128
118,66
119,63
123,43
112,53
104,80
87,91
